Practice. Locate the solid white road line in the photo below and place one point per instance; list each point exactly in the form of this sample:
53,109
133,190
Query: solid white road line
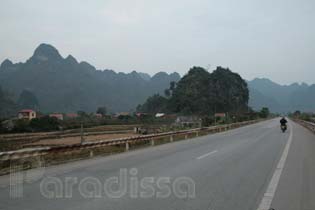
266,201
205,155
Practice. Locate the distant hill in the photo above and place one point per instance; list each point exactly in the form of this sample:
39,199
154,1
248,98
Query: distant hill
66,85
200,92
281,98
7,106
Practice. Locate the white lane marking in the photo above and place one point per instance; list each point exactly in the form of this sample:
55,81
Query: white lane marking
206,155
266,201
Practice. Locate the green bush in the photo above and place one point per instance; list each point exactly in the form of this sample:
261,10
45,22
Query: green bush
45,123
264,112
21,125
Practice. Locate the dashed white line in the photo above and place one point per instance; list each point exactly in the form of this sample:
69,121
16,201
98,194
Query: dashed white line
206,155
266,201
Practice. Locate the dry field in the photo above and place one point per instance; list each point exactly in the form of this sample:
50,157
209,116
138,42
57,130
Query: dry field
23,140
77,139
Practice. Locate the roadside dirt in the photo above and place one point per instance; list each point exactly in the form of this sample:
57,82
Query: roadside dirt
77,139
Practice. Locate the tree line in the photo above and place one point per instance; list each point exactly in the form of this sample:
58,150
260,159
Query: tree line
9,107
200,92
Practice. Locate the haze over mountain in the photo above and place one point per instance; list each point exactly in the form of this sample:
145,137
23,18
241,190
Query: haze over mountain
281,98
66,85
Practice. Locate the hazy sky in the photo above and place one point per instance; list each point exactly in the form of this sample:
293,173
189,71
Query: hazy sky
265,38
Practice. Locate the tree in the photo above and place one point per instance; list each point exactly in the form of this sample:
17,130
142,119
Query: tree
191,95
21,125
28,100
297,113
172,85
102,110
45,123
167,93
154,104
306,116
202,93
228,91
264,112
82,114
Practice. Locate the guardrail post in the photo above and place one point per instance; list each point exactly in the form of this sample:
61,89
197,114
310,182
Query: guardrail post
127,146
19,155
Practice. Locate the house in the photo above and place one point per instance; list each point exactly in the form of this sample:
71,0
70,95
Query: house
27,114
141,114
122,114
72,115
57,115
221,115
98,115
158,115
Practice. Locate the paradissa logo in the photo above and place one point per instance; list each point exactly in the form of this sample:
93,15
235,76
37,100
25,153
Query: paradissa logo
127,183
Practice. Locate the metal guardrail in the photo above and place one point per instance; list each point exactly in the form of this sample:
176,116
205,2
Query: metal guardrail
53,135
35,152
306,124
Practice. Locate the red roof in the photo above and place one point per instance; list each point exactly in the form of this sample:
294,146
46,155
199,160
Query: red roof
72,115
27,110
219,114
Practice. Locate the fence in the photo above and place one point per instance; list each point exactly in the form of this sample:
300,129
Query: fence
306,124
59,154
29,152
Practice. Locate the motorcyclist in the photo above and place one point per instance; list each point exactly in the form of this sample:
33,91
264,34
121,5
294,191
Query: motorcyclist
283,121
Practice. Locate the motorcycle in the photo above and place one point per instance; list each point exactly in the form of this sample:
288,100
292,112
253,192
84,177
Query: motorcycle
283,128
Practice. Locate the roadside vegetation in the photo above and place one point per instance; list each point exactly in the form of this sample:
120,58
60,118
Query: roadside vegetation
204,94
306,116
199,99
199,93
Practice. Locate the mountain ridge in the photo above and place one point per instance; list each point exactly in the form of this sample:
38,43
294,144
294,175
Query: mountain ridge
66,85
63,84
281,98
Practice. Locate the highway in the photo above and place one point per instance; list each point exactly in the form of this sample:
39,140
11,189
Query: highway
230,170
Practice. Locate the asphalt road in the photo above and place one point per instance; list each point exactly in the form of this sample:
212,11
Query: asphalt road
296,189
224,171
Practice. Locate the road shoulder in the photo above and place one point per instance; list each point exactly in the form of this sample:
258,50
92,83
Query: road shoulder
296,189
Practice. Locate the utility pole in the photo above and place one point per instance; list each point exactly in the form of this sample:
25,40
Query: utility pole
215,118
227,118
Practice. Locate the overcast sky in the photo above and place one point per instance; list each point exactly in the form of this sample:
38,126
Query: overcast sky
256,38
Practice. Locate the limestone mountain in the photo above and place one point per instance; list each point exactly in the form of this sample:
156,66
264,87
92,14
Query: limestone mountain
66,85
281,98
